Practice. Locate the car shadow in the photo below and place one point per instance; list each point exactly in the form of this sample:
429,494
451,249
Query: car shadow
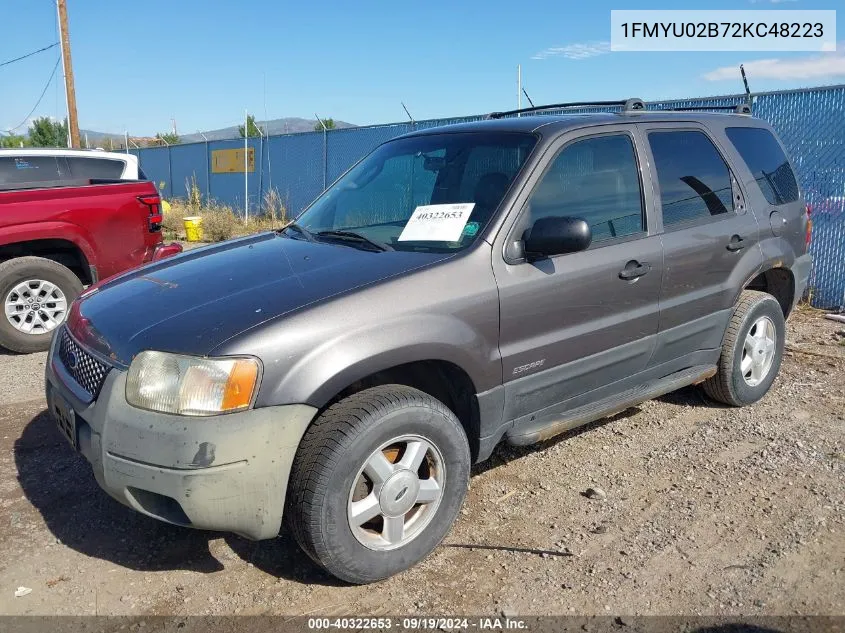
691,396
505,453
60,485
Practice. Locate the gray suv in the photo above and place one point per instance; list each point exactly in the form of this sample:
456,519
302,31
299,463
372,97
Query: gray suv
503,280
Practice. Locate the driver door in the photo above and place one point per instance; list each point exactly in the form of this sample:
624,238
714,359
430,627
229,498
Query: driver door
581,321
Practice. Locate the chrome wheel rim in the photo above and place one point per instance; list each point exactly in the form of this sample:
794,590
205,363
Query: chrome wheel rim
758,352
35,306
396,493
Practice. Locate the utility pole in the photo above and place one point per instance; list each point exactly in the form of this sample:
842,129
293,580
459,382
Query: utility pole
70,91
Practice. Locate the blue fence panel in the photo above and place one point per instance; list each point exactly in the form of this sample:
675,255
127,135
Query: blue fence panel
189,162
155,161
295,169
228,188
811,126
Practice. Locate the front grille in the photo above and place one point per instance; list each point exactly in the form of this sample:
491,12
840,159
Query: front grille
86,370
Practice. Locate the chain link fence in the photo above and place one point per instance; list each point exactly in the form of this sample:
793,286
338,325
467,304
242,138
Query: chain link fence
300,166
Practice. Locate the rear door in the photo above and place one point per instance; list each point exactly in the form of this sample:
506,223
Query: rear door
710,240
577,322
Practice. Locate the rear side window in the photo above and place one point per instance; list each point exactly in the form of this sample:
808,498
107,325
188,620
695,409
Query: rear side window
766,162
597,180
95,167
23,169
693,178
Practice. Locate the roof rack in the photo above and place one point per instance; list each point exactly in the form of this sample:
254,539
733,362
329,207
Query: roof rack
632,105
628,105
742,108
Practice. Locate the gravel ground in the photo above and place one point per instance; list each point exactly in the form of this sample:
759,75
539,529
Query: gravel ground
696,509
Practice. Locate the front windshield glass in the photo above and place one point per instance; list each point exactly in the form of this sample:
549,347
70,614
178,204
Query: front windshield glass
425,193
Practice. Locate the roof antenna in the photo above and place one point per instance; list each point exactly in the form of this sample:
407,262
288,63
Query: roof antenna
406,112
527,97
745,82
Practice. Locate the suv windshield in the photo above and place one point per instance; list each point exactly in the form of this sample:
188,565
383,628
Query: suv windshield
428,193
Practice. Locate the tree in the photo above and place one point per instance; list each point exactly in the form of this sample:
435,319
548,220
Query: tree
254,130
170,138
12,140
329,123
47,132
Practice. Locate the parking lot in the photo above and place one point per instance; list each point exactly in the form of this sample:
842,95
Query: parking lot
708,510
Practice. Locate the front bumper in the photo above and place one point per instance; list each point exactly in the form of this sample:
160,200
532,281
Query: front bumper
801,272
226,472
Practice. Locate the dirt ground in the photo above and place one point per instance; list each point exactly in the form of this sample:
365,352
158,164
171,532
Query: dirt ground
709,510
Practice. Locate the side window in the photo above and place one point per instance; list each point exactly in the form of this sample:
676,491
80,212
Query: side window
766,162
21,169
95,167
595,179
693,178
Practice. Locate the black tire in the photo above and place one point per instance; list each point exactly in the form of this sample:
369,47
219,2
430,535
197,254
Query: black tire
329,461
729,386
15,271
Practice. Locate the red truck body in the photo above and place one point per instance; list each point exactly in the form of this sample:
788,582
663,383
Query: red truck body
115,225
57,237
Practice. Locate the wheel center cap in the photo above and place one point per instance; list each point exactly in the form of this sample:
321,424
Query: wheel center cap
399,493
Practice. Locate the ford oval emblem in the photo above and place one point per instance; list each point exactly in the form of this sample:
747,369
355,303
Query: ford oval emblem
72,360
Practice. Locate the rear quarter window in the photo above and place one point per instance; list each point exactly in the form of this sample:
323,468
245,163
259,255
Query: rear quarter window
23,169
82,167
766,162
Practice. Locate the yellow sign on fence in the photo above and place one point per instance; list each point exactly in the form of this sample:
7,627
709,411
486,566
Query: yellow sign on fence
231,161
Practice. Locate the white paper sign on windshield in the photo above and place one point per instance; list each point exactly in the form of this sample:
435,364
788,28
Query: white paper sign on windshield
437,223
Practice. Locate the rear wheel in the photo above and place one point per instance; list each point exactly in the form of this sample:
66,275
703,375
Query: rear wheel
752,351
36,295
377,482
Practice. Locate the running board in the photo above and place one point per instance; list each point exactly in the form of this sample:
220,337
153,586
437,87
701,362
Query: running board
544,426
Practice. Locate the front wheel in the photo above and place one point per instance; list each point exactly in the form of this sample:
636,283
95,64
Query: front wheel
377,482
36,295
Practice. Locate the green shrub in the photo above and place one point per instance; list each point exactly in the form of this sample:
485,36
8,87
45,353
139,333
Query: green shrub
172,224
219,223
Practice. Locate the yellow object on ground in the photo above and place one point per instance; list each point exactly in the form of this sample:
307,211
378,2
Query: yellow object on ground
165,206
193,228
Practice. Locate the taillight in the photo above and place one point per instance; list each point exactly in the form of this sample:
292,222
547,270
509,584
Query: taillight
155,218
809,225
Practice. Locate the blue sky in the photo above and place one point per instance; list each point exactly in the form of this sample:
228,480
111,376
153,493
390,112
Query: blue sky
138,64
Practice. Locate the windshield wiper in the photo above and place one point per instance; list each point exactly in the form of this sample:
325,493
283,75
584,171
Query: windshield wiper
302,231
353,237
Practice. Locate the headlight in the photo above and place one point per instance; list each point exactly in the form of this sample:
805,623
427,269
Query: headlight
190,385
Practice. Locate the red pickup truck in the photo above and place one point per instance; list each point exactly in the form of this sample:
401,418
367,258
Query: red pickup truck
58,237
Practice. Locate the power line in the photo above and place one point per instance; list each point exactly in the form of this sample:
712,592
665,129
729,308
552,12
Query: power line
37,103
17,59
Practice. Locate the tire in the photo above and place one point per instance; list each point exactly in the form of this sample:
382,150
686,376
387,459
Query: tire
756,313
15,272
329,475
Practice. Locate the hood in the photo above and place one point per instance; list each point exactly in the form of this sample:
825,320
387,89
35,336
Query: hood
193,302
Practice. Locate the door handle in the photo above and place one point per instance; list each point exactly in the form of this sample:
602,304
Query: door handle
634,270
736,243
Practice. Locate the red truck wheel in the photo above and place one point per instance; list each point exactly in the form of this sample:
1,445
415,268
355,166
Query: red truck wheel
36,294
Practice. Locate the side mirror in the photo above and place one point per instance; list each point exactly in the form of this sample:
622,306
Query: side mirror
556,236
